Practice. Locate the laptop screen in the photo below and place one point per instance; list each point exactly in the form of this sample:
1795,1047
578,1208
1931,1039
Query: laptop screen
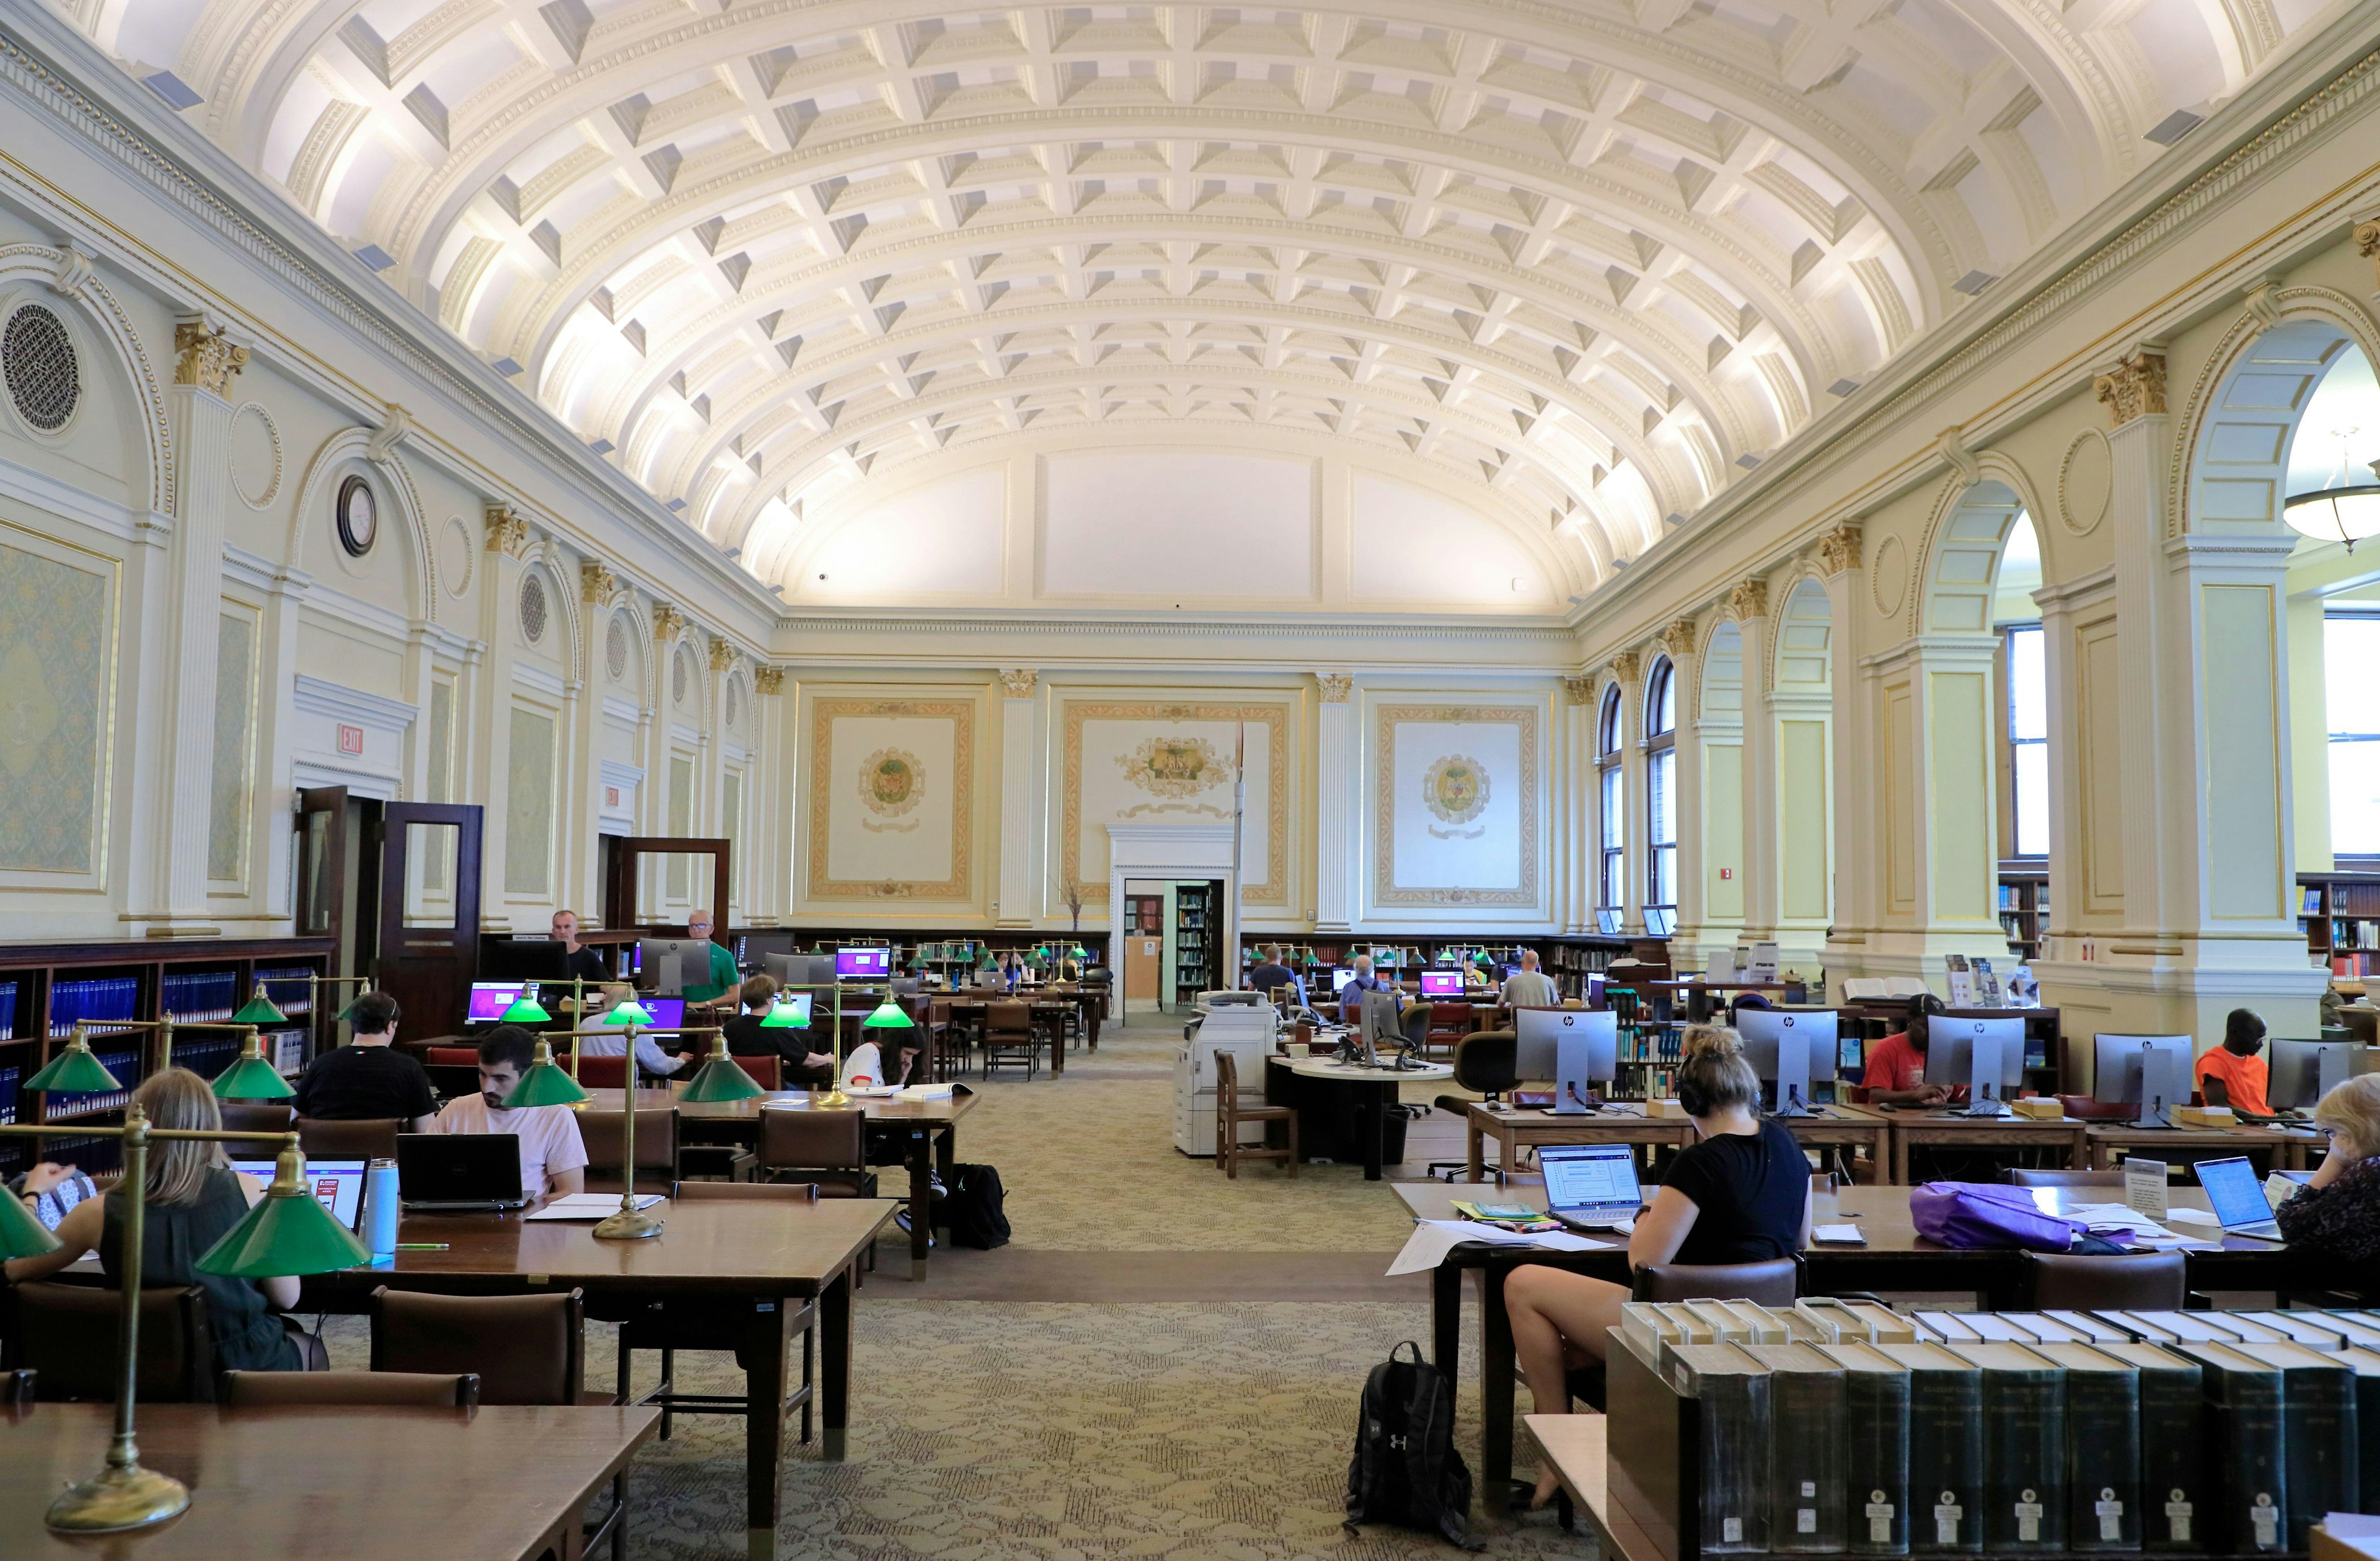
489,999
337,1185
2234,1192
1589,1176
862,962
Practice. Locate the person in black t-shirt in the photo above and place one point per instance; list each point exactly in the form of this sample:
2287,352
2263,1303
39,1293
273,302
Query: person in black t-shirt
1739,1194
798,1065
367,1079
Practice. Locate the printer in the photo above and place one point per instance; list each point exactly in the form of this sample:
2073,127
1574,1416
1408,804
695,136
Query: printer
1242,1024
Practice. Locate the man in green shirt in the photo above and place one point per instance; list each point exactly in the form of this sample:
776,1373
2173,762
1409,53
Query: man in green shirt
725,980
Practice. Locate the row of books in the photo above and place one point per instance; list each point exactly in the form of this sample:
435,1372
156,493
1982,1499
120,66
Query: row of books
198,996
124,1063
1838,1428
289,988
110,996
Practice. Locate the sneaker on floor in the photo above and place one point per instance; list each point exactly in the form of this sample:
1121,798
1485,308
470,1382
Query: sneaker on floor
902,1219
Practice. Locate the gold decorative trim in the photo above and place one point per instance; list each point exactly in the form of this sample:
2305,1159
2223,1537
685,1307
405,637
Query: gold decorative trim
1679,638
1578,691
1626,665
204,356
824,713
723,655
2367,244
1335,686
667,622
1274,889
768,680
1749,599
595,581
507,533
1840,549
1387,719
1017,683
2133,388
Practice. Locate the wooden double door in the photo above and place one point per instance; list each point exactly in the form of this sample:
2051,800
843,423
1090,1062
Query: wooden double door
398,885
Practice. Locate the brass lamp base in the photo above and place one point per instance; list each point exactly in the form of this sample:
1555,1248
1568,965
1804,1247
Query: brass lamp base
628,1225
117,1500
832,1097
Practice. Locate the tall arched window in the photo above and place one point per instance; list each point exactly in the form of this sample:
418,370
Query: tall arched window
1609,885
1662,800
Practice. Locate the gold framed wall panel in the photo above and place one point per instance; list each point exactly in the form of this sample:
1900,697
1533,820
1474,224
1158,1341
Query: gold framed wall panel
1175,798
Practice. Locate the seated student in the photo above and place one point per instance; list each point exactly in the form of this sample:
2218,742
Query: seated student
650,1058
194,1199
368,1079
1896,1065
51,1191
1272,974
1739,1194
800,1067
1351,997
2337,1212
2237,1067
1529,987
865,1065
552,1156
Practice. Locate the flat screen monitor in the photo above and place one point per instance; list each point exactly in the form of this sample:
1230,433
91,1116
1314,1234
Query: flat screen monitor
1986,1054
527,959
2149,1072
1786,1049
669,1013
863,964
1380,1026
488,1001
1441,984
752,947
1540,1034
801,970
337,1185
668,966
1339,979
2303,1071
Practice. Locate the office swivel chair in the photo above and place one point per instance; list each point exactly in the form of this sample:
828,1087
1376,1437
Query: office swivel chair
1483,1061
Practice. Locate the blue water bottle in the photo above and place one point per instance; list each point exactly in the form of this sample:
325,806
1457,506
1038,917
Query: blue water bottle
380,1208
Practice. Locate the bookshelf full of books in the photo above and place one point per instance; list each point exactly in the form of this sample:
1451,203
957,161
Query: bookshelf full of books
1848,1428
2339,913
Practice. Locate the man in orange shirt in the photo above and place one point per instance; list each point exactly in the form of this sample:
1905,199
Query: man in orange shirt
1896,1065
2237,1067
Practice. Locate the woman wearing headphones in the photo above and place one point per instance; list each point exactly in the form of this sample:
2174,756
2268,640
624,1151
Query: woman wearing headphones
1739,1194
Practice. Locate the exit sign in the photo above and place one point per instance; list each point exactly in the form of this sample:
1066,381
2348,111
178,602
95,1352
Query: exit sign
351,738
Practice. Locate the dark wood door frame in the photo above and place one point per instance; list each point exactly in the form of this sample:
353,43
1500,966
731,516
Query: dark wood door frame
619,875
428,970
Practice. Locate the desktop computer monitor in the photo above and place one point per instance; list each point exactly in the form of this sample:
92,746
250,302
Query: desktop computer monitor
1986,1054
801,970
2149,1072
2303,1071
1441,984
1575,1048
488,1001
1378,1025
1339,979
526,959
337,1185
863,964
1787,1049
668,966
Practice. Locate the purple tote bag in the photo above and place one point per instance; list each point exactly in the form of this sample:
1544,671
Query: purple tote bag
1968,1215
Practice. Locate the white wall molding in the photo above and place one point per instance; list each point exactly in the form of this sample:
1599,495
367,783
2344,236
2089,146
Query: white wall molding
316,696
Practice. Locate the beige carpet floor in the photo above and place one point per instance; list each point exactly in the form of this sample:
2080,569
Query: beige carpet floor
1105,1391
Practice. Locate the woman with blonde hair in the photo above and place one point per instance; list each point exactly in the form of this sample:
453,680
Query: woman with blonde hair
1739,1194
194,1199
2337,1212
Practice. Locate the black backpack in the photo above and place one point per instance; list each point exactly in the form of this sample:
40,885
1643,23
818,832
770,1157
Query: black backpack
1405,1469
973,1208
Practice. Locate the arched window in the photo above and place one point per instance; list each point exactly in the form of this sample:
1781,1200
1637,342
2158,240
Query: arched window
1662,800
1609,886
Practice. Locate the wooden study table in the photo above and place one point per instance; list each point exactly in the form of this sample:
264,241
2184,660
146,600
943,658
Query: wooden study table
1045,1005
1895,1258
1619,1123
931,1128
501,1482
1912,1127
1371,1090
721,1275
2289,1145
1830,1126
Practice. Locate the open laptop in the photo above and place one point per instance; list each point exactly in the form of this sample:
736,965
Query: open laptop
2236,1194
1591,1186
459,1173
337,1185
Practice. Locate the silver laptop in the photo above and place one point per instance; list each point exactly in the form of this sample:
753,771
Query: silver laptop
2236,1194
1591,1186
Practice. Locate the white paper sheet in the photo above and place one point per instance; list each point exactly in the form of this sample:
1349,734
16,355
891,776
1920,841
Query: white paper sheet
590,1206
1837,1235
1433,1239
2195,1216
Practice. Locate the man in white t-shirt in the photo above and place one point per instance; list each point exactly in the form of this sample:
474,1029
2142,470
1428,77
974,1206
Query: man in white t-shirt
554,1158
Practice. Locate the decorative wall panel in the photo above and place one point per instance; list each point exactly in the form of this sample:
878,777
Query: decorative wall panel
892,799
234,721
58,638
1158,760
529,804
1457,805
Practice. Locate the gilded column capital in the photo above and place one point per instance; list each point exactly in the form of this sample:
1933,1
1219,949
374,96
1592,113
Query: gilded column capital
204,355
768,680
2367,244
1336,686
1679,638
1017,683
2134,388
1625,666
667,622
1840,549
723,655
595,581
1749,599
507,533
1578,690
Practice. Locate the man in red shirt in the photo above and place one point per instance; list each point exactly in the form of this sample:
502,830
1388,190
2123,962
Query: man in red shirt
1896,1065
2236,1065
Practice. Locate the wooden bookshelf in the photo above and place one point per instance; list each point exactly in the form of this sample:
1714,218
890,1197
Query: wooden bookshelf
2025,905
2339,913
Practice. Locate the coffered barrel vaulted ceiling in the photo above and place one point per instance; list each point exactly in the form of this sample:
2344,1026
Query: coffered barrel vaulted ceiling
1583,261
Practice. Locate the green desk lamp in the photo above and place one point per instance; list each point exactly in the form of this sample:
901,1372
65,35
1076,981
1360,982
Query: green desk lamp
721,1077
251,1077
545,1083
73,1071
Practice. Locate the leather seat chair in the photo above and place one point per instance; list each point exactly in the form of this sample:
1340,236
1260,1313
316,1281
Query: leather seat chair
818,1145
278,1390
2144,1281
367,1137
66,1334
601,1132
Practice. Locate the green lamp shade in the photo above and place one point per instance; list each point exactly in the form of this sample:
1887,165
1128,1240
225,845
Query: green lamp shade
888,1016
718,1080
20,1234
525,1011
630,1012
545,1084
785,1016
258,1009
1076,952
287,1232
251,1077
74,1071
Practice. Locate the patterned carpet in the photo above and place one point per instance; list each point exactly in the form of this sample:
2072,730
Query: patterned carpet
984,1430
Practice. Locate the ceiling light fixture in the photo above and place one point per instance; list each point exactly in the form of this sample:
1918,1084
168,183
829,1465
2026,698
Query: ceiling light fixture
2344,511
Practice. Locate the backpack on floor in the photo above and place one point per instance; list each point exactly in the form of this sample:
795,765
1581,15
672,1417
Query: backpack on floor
1405,1469
973,1207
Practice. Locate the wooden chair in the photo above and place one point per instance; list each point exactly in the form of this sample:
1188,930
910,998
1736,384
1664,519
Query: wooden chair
453,1057
256,1115
818,1145
946,1040
369,1138
280,1390
766,1072
656,1148
653,1333
1008,1036
1230,1114
2021,1178
2146,1282
66,1335
525,1349
1774,1283
1449,1024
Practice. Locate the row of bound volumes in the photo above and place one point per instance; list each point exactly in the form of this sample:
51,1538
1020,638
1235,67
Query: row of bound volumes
199,997
113,996
1820,1431
124,1063
290,988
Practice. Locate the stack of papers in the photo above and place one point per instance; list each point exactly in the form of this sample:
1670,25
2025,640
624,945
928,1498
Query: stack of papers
1433,1239
2135,1229
590,1206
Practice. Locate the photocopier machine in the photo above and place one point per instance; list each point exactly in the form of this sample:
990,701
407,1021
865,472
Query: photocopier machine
1242,1024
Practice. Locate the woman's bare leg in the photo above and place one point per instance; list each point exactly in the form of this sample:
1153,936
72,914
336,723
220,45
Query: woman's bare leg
1557,1317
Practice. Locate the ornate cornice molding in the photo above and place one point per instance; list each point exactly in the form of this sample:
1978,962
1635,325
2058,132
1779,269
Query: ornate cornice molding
1578,691
2367,244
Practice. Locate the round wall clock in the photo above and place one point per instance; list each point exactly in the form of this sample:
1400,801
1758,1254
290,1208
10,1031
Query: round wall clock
359,516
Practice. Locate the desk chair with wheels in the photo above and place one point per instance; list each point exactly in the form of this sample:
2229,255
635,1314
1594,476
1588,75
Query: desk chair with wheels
656,1148
1230,1115
282,1390
66,1334
1483,1061
369,1138
653,1333
2144,1281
